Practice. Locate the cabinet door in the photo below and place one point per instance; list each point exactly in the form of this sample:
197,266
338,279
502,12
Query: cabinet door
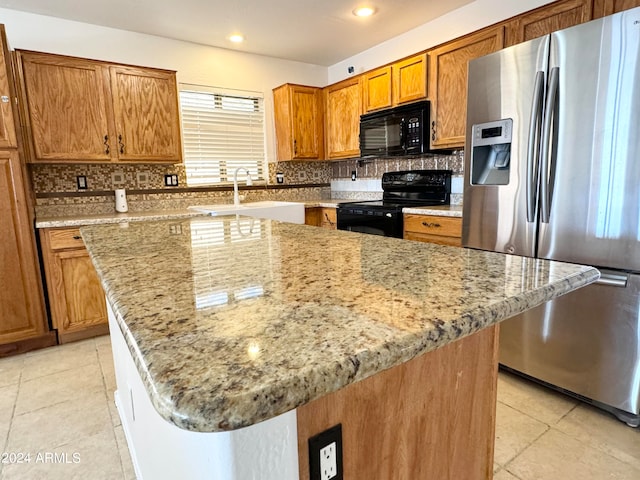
602,8
21,302
66,103
78,306
410,79
344,107
145,105
448,84
377,89
7,127
547,19
306,112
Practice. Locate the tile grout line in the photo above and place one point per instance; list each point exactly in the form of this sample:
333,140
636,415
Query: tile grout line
13,412
113,427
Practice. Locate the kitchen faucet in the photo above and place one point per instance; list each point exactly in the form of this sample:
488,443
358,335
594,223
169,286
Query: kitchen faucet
236,197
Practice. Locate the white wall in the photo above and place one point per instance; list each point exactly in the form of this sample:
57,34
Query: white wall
194,63
467,19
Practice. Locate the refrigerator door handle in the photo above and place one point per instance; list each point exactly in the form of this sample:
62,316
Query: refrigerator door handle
613,279
545,171
535,123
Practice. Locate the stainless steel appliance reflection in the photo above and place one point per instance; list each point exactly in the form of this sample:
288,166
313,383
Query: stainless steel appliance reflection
564,185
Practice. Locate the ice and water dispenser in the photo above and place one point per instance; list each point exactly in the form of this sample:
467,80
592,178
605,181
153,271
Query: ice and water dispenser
491,152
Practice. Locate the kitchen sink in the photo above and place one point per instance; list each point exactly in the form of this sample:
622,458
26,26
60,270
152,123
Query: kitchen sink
292,212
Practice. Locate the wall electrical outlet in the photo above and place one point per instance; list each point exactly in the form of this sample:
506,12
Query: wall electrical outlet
328,462
81,181
171,180
325,455
354,175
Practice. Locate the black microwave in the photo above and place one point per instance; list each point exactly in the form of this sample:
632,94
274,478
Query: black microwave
401,130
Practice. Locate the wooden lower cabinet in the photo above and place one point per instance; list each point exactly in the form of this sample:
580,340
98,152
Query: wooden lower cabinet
321,217
433,229
76,298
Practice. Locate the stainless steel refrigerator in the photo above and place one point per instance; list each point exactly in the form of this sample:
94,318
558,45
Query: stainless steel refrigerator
553,171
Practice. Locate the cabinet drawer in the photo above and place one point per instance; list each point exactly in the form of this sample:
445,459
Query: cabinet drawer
433,225
64,239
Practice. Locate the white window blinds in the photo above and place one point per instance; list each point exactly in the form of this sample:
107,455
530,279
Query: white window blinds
221,131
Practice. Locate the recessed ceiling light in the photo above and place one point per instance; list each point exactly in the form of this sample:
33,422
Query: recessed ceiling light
236,38
364,11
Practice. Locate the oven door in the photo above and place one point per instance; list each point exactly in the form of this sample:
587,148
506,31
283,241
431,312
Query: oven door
375,222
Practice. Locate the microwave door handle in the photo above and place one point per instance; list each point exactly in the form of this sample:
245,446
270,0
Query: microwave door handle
535,123
402,135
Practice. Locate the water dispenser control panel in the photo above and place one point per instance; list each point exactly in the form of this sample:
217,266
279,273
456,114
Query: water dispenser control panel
491,152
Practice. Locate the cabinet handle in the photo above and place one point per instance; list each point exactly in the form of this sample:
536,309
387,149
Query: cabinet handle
431,225
433,130
326,216
295,147
121,144
106,144
77,237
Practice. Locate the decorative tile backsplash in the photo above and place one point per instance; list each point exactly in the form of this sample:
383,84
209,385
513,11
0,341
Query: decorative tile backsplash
62,178
374,168
57,191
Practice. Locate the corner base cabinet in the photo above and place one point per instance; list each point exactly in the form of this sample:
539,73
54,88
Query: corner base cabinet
76,298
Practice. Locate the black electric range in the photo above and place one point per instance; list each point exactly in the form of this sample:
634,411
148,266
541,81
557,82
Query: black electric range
410,188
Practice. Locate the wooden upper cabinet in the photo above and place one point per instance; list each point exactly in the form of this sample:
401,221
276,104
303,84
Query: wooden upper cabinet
22,314
404,81
7,125
299,122
377,89
145,104
547,19
81,110
602,8
343,103
410,79
66,101
448,84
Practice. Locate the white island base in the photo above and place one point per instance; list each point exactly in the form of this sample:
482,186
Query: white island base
160,450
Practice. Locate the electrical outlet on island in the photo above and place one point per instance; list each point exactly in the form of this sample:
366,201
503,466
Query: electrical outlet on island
325,455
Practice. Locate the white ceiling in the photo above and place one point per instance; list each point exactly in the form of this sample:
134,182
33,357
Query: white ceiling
321,32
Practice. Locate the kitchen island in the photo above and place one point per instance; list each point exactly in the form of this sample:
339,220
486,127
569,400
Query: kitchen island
237,339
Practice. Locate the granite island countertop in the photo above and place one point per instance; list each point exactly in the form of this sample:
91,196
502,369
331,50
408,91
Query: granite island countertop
232,322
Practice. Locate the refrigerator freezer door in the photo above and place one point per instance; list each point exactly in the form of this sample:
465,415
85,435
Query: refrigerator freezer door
587,342
508,84
593,174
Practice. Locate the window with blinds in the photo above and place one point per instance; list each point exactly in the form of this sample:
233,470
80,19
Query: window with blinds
222,131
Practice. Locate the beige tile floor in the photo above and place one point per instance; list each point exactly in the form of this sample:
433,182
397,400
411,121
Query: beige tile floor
60,401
